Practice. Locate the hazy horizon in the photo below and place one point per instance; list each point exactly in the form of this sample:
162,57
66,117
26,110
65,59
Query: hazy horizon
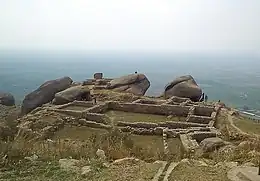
164,26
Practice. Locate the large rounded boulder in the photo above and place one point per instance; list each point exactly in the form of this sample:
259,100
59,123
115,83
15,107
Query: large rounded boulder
79,93
184,86
7,99
44,94
136,84
211,144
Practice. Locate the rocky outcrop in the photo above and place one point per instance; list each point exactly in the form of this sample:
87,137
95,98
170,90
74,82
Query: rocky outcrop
79,93
184,86
44,94
137,84
7,99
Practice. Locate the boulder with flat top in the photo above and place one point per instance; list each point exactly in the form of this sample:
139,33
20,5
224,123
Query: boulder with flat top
79,93
136,84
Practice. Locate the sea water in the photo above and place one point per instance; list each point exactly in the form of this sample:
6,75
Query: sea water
233,79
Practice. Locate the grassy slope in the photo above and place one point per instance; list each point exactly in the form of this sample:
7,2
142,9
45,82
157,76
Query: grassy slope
193,172
51,171
247,125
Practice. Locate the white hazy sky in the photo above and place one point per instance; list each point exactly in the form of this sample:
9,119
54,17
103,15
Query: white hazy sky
131,25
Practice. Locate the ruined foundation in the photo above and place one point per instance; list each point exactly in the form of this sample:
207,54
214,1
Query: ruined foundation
199,122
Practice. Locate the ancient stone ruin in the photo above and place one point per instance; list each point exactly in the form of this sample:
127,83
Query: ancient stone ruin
196,121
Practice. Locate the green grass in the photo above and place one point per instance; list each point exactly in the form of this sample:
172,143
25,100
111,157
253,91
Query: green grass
192,172
128,171
78,133
139,117
51,171
37,171
247,125
175,148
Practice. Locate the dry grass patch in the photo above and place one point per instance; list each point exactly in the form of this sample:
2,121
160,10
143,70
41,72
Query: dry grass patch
192,171
84,144
127,171
247,125
37,171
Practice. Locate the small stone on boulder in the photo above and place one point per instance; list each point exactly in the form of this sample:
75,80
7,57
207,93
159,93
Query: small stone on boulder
98,75
7,99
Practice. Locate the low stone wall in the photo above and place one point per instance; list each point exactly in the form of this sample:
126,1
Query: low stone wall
150,109
68,112
169,124
178,99
199,119
199,136
203,110
100,108
158,131
191,110
189,145
96,117
62,106
99,87
211,123
165,143
149,101
93,124
87,104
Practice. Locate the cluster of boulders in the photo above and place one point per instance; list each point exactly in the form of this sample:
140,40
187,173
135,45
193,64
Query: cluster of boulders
59,91
64,90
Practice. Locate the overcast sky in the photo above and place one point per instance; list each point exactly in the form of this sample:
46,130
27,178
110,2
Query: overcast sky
131,25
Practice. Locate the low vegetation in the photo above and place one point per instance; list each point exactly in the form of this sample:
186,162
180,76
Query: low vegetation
247,125
138,117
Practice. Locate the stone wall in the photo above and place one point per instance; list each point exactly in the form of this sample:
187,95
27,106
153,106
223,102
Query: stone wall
150,109
99,118
100,108
93,124
189,145
203,110
86,104
199,119
68,112
83,103
175,99
199,136
169,124
149,101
